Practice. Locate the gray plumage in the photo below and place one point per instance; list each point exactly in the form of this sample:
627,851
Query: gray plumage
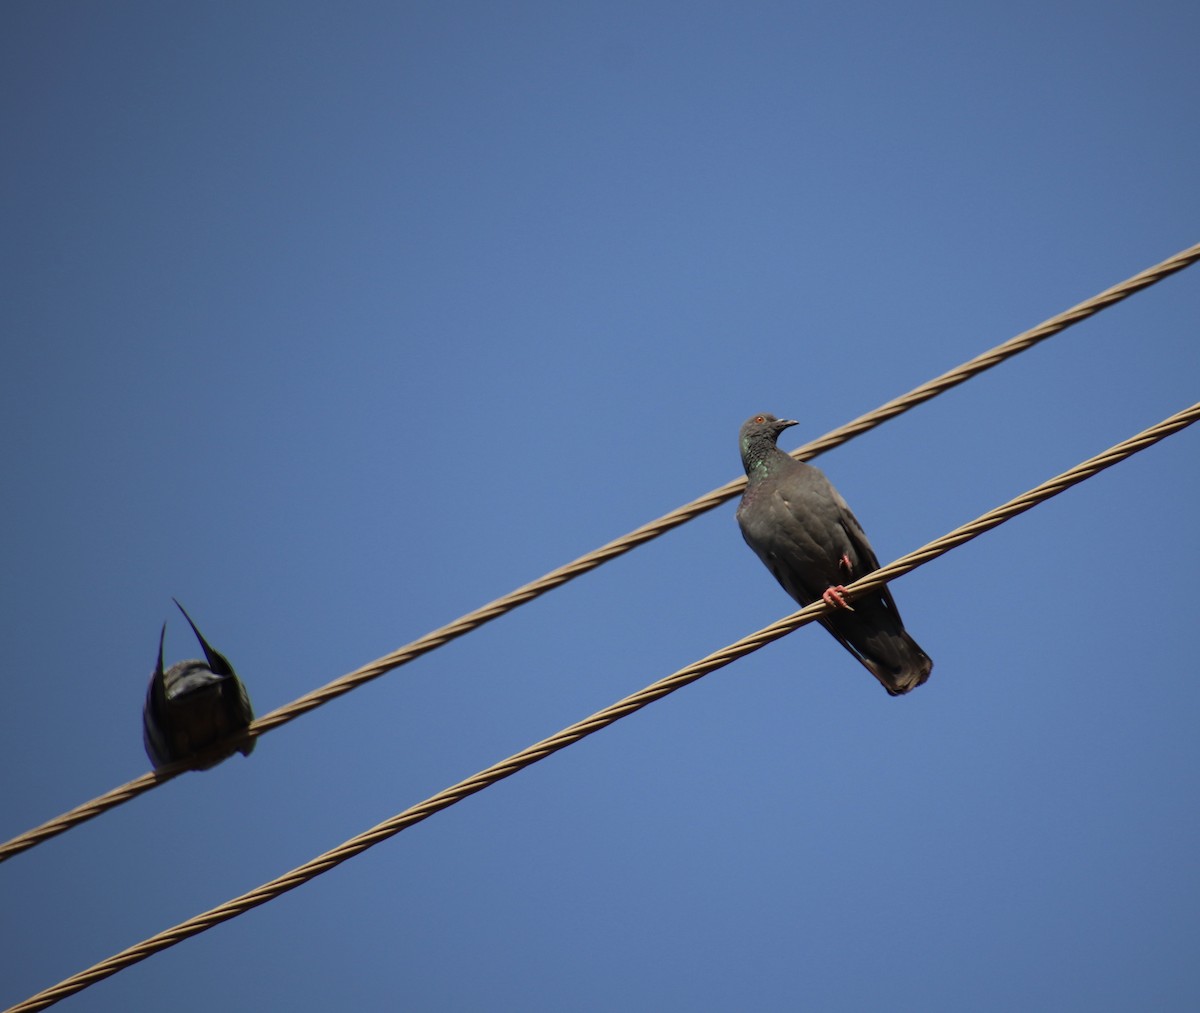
802,529
194,706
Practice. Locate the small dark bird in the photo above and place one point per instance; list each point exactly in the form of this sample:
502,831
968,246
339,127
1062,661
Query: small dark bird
193,706
801,528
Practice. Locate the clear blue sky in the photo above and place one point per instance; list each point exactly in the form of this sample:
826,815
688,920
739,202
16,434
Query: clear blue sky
336,321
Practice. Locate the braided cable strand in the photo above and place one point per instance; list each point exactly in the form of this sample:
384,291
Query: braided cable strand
619,546
601,719
993,357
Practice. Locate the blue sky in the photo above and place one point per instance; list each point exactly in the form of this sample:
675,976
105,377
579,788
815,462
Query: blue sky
338,321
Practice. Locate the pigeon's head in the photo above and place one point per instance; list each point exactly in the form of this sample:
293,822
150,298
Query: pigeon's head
757,439
758,428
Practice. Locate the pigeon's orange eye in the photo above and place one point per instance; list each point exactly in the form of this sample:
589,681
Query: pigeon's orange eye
759,419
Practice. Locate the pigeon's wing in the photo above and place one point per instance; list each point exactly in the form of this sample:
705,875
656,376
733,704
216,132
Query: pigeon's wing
854,533
218,664
154,712
240,711
863,558
867,561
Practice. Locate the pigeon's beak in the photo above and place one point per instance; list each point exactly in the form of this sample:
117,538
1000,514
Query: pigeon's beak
783,424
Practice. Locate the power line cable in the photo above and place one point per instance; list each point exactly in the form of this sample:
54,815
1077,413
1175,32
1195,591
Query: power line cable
617,547
603,718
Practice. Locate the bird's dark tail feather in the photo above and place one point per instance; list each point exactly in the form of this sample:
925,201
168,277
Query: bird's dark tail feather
891,655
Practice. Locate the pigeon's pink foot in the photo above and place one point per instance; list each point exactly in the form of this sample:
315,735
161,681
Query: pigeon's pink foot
845,563
833,596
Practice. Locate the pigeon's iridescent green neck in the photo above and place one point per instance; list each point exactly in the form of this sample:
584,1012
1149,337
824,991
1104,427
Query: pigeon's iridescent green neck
759,454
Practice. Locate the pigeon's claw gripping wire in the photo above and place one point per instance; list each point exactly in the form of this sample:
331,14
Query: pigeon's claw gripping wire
833,596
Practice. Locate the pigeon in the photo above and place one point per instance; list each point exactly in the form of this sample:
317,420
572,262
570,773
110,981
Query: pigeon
193,706
800,527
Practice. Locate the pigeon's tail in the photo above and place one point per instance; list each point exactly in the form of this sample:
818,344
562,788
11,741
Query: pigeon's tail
874,634
909,672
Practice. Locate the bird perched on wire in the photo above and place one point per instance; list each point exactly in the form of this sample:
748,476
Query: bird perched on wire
801,528
194,706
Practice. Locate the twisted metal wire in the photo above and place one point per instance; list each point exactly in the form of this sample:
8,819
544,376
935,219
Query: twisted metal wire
602,719
619,546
